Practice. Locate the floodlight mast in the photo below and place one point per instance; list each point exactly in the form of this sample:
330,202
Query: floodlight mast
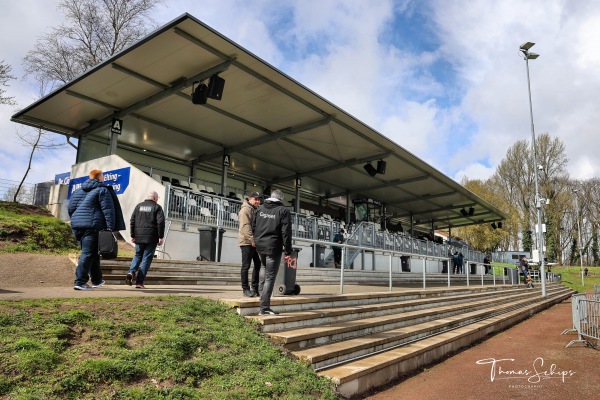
538,203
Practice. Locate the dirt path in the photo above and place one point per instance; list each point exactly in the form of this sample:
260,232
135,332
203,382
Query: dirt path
38,270
534,362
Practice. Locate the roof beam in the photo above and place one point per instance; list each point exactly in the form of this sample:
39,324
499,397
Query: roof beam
447,208
268,138
175,129
155,97
249,71
92,100
216,109
330,168
424,197
45,125
139,76
382,185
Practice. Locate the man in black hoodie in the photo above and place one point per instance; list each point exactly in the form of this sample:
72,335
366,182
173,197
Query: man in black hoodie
272,228
147,229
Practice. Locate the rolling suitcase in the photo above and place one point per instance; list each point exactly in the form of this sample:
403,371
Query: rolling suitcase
107,245
285,281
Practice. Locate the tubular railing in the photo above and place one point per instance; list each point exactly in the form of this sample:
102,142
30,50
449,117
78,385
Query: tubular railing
390,254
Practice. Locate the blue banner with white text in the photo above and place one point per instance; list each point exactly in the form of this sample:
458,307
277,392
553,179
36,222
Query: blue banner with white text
117,178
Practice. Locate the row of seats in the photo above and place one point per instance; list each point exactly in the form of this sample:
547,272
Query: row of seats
197,188
202,207
311,213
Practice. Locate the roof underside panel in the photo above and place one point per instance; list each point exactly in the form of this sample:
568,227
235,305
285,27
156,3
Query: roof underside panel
273,127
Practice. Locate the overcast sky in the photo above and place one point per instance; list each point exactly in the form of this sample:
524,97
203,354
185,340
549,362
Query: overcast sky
443,79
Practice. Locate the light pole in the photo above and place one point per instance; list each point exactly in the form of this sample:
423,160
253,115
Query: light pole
579,236
527,55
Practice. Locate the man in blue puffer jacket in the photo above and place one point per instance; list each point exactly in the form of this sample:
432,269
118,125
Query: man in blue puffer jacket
92,208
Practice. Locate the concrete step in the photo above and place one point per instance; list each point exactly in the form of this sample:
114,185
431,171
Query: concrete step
289,304
359,376
162,271
333,315
338,352
318,335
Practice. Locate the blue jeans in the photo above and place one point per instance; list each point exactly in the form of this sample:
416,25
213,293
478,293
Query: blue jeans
144,253
267,279
89,261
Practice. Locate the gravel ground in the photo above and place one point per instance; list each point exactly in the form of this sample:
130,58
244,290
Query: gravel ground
38,270
42,270
535,361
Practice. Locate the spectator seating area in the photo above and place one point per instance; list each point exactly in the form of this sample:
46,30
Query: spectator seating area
200,202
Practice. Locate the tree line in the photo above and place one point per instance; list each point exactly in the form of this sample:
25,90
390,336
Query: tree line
512,190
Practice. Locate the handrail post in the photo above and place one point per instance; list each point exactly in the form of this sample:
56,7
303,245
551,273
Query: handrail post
342,270
448,270
390,272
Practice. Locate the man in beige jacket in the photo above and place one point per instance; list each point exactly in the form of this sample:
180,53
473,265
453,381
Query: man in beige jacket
247,244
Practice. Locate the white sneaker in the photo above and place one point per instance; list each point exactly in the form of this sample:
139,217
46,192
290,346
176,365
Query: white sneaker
82,287
99,284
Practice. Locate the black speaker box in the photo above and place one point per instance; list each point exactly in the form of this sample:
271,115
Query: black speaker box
200,94
381,167
215,87
370,169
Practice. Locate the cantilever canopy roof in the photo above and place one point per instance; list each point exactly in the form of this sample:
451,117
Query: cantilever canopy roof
274,128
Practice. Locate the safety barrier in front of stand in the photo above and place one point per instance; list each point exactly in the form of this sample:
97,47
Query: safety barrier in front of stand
391,254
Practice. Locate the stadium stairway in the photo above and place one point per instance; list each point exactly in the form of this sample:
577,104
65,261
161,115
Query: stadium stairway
367,340
174,272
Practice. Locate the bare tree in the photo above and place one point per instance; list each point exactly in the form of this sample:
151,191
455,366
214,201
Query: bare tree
5,77
515,179
483,237
23,195
93,30
39,141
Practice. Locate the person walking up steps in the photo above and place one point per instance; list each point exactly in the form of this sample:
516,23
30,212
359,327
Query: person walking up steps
147,226
92,208
273,236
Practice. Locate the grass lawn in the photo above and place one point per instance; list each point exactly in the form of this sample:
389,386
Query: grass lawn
143,348
570,276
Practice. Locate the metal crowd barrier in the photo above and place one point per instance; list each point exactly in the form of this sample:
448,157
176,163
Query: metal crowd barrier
390,253
585,309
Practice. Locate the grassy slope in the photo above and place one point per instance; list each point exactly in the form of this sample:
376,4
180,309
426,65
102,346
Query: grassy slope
146,348
26,228
143,348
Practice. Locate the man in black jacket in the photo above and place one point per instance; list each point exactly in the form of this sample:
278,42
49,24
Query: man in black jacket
272,228
147,231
